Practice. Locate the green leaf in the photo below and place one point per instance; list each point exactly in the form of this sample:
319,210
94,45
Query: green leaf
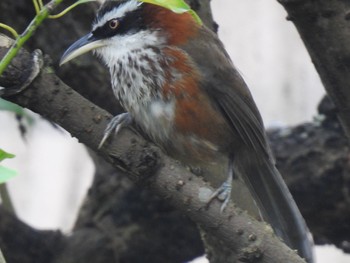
6,174
9,106
5,155
177,6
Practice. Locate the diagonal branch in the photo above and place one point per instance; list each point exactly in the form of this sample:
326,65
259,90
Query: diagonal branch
146,164
324,26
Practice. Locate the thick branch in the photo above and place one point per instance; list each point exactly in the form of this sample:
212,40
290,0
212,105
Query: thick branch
324,26
51,98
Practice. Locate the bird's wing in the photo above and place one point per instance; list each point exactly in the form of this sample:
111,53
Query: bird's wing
227,90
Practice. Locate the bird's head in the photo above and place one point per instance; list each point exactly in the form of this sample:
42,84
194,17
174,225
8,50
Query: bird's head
124,25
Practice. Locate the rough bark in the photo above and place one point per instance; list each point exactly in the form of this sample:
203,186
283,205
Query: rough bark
324,26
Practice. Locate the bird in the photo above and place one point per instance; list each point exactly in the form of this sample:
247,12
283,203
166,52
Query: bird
177,84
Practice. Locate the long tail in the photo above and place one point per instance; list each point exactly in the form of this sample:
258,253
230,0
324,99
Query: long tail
274,201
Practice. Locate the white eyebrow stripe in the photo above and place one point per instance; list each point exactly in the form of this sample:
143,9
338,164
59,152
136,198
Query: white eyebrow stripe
118,12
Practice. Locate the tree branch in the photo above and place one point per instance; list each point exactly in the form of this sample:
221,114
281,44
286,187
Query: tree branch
324,26
146,164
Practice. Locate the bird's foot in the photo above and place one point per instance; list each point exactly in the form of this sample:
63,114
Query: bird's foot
116,123
223,193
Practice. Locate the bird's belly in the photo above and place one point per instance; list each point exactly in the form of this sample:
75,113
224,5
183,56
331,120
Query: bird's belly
204,157
155,119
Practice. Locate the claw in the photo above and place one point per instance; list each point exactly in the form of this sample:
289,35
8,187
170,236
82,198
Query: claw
116,123
223,193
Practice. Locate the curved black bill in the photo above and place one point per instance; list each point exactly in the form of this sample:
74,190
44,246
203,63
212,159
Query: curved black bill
81,46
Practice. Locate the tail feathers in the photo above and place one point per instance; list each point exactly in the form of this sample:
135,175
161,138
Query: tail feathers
275,201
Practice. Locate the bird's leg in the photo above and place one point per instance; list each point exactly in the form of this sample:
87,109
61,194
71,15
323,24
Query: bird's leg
223,193
115,124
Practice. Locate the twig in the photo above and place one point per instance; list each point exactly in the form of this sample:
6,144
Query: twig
36,22
69,8
10,29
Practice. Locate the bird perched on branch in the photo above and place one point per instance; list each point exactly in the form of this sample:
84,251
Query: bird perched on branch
175,80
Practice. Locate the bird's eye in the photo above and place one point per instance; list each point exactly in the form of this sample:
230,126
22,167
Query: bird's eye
113,24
